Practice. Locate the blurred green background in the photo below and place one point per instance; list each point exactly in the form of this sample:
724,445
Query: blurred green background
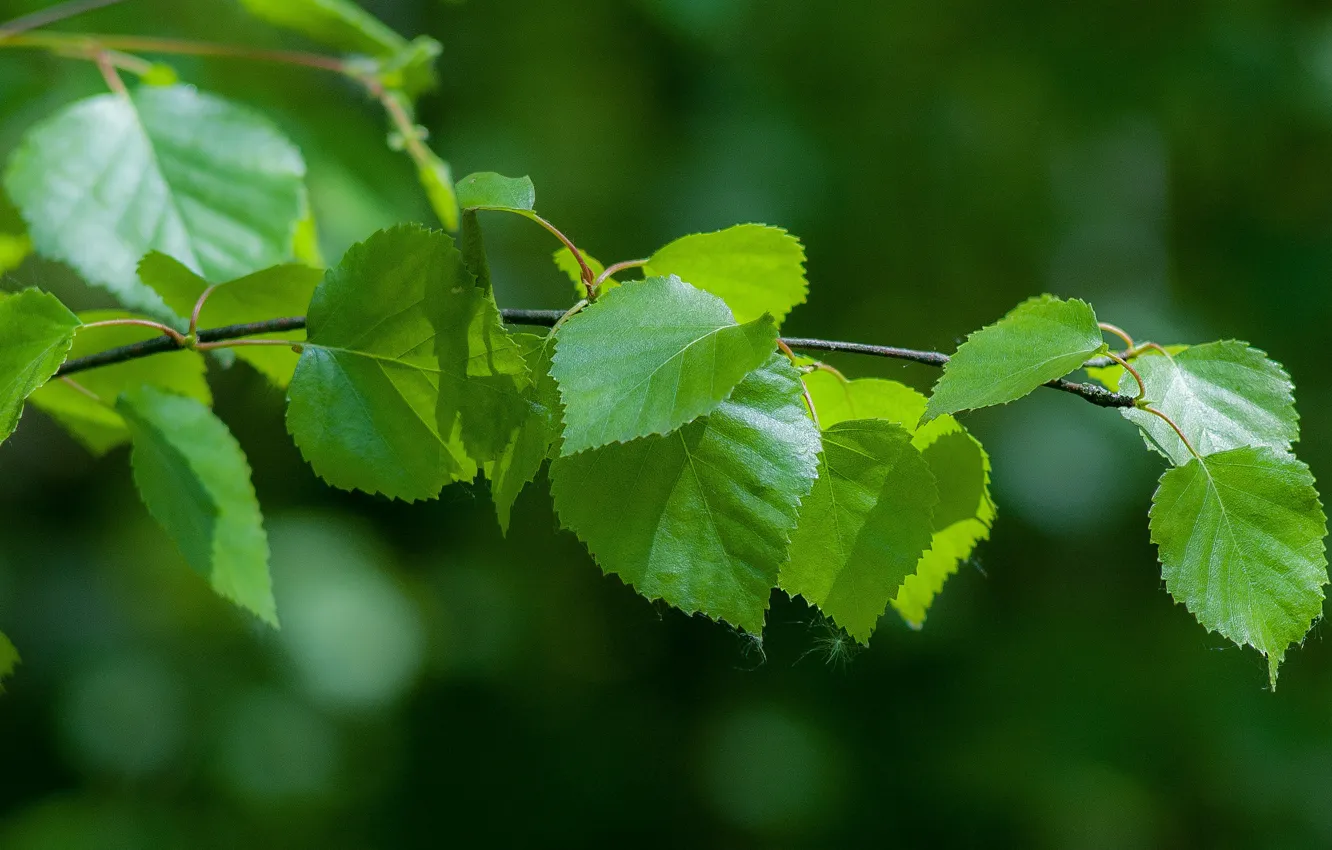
435,683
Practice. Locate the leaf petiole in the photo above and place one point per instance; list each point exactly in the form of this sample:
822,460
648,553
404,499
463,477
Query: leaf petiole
1149,409
1117,331
176,336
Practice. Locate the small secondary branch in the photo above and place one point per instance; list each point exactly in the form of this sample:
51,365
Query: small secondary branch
1092,393
78,44
51,15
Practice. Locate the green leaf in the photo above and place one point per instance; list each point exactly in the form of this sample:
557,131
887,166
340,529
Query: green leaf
15,246
110,178
963,518
95,424
437,180
9,659
864,398
1042,339
519,462
341,24
754,268
14,249
864,526
568,263
195,480
38,332
488,190
700,517
411,69
409,379
305,242
1222,395
649,357
1240,535
273,293
1111,376
959,464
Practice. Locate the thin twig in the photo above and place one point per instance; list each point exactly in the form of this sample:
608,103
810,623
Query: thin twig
64,42
1093,393
109,73
50,15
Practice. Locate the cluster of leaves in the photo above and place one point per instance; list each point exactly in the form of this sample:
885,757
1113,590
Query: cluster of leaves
696,457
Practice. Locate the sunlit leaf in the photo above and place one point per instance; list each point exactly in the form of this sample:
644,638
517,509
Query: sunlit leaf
568,263
864,398
754,268
110,178
700,517
1222,395
97,424
649,357
305,242
273,293
1112,376
36,332
1041,339
1240,535
14,249
195,480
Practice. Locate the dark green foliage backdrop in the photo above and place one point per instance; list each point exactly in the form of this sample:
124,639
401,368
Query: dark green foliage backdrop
941,161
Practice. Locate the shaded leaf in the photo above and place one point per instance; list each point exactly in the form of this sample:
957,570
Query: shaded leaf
754,268
864,526
488,190
1222,395
195,480
337,23
700,517
1042,339
408,379
519,462
649,357
437,179
110,178
963,518
958,462
9,659
38,332
273,293
1240,535
97,425
395,62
